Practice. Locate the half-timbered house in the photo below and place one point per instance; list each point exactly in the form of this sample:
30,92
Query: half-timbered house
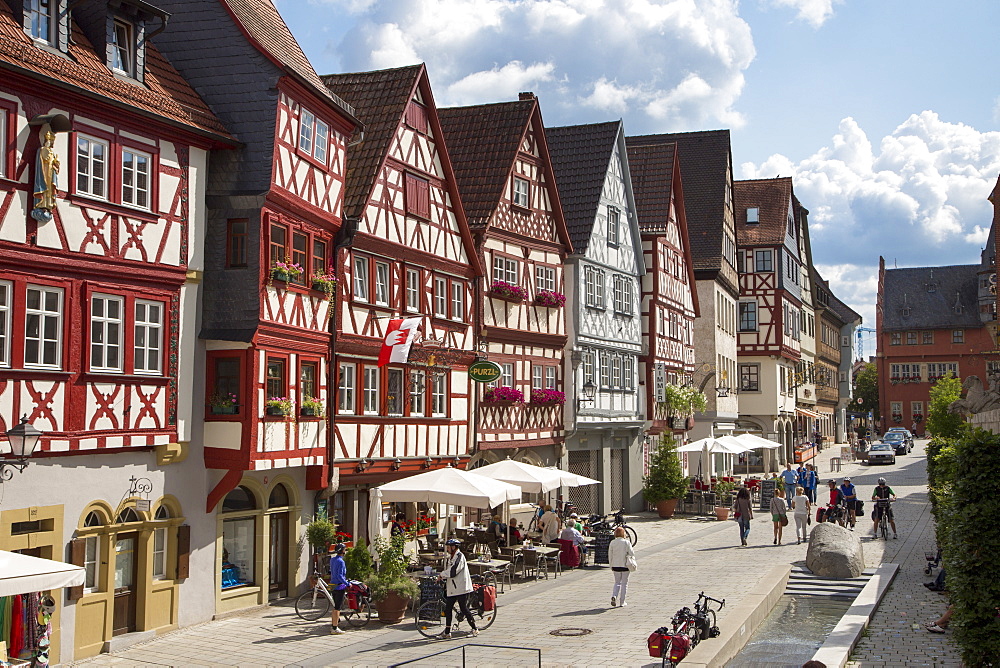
505,180
770,305
604,322
103,165
412,257
274,215
706,163
806,371
837,325
669,299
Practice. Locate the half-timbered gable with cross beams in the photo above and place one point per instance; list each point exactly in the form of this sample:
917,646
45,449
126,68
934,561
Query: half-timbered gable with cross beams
507,187
412,257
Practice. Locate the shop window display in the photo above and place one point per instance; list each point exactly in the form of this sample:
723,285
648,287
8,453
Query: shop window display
238,552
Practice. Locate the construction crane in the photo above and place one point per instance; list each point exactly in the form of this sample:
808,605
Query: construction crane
861,340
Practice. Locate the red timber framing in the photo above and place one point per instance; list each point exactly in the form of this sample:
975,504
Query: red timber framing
92,298
412,257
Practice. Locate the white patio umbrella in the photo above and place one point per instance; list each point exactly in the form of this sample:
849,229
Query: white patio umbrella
374,517
528,477
451,485
711,445
22,574
755,442
574,479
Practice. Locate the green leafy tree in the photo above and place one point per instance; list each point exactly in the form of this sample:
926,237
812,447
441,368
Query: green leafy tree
940,422
666,478
866,389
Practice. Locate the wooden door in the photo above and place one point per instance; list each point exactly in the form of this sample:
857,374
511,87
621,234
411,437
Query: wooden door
278,556
125,585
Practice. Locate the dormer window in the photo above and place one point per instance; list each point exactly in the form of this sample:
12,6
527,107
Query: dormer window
40,19
314,136
521,192
753,215
123,48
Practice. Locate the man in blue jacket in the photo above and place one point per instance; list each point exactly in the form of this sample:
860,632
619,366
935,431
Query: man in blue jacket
338,585
850,498
789,478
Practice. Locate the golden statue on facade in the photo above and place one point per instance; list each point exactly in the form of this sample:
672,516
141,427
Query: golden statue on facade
46,179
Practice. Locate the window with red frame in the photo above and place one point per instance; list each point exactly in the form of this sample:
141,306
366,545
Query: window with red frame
416,116
300,254
224,395
418,197
236,242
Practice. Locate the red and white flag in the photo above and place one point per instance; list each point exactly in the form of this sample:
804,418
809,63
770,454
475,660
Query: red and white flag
397,341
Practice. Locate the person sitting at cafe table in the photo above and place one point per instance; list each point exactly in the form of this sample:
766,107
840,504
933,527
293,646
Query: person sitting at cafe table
516,538
498,530
397,526
576,521
570,532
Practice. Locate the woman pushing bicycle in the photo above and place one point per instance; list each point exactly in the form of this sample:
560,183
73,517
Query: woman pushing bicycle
456,573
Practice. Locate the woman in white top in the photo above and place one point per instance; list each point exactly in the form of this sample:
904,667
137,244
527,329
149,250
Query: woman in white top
801,505
549,525
622,560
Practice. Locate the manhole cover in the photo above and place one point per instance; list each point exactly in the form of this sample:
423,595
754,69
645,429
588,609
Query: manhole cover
570,632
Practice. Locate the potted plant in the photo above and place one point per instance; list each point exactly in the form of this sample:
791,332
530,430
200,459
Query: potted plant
423,525
224,403
665,483
312,407
508,291
681,401
326,283
548,397
319,533
286,271
359,561
279,406
344,537
391,589
550,299
503,395
724,493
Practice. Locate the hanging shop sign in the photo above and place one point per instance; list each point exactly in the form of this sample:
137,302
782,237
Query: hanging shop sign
485,372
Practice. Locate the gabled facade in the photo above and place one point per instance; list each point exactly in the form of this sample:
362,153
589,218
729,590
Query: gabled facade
805,371
845,387
829,357
770,305
274,215
604,321
412,257
669,299
706,163
507,187
103,163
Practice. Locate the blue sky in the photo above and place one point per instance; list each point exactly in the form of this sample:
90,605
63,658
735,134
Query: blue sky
885,112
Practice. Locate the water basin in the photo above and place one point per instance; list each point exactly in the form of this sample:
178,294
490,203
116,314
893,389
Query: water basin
792,633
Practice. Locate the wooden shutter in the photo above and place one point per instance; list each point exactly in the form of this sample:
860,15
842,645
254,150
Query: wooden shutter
417,197
416,117
183,551
77,556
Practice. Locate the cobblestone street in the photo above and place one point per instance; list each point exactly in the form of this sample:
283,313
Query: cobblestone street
677,559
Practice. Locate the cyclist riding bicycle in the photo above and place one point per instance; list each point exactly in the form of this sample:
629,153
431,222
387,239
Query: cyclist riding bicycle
456,573
883,492
849,495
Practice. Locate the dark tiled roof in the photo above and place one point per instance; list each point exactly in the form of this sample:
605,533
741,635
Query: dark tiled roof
580,158
705,157
652,170
262,22
909,289
165,94
838,309
772,197
483,141
380,100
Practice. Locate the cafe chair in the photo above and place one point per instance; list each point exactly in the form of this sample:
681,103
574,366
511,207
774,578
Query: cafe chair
515,556
556,562
569,554
501,573
535,563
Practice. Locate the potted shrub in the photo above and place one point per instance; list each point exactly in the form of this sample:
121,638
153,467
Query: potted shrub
550,299
279,406
508,291
359,561
391,589
312,407
224,403
681,401
504,396
724,491
326,283
548,397
286,271
319,533
665,483
423,525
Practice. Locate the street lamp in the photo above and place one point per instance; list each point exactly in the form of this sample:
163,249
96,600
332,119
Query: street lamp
589,392
22,440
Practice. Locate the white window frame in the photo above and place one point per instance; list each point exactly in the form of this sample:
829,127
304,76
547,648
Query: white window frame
418,393
505,269
457,300
118,49
589,365
616,371
361,279
382,283
6,296
92,563
614,226
307,121
148,326
593,287
440,297
507,374
550,378
85,169
622,295
521,192
413,290
439,395
321,141
370,390
537,376
605,369
346,386
545,278
132,194
44,315
628,372
753,214
39,17
160,553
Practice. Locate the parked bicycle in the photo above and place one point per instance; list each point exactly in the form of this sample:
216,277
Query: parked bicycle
430,615
601,523
316,602
687,629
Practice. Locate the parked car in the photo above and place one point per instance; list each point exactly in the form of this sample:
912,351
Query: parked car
906,432
898,442
881,453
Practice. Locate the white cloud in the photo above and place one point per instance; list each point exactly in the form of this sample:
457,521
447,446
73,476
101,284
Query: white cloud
813,12
919,198
665,65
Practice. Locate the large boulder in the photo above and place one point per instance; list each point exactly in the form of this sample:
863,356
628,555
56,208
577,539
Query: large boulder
835,552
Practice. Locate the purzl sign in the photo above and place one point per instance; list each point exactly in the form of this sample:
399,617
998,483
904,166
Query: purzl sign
485,372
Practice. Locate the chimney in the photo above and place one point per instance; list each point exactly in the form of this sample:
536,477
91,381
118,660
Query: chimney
526,95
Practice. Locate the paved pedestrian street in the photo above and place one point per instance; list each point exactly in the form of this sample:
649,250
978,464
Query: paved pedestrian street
677,559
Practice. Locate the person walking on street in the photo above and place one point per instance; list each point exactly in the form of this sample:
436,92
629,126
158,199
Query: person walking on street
622,560
456,572
549,525
801,506
849,495
338,586
789,478
779,513
812,480
743,512
883,491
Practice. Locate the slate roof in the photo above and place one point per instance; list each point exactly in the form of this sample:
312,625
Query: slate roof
772,197
483,141
580,158
909,288
269,33
652,170
380,100
166,94
705,158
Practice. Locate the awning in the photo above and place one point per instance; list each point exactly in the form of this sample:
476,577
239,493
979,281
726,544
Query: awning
807,413
21,574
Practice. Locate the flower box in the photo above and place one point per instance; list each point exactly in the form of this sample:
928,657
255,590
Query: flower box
547,398
278,406
508,292
310,411
549,299
225,410
312,407
498,395
277,411
285,271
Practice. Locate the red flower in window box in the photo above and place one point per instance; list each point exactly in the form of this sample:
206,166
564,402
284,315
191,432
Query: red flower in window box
550,298
548,397
496,395
508,291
